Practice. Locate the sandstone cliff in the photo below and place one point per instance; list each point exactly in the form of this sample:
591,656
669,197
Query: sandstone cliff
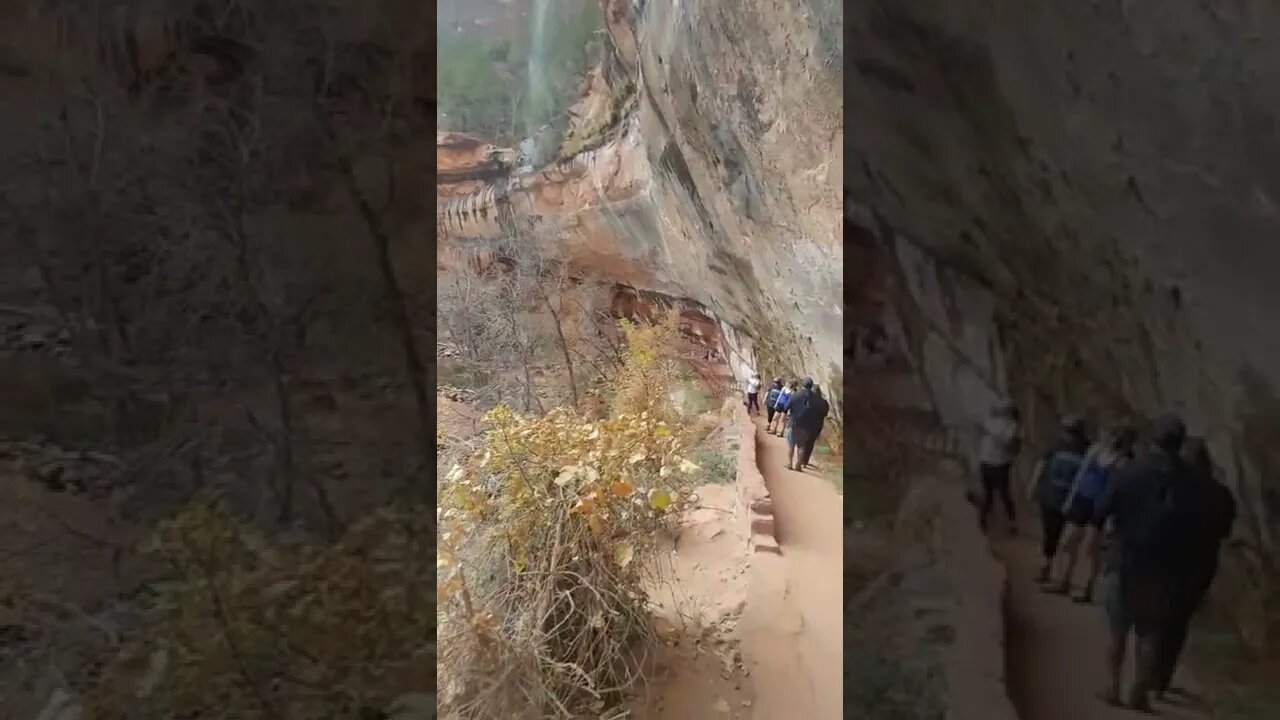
1081,207
703,162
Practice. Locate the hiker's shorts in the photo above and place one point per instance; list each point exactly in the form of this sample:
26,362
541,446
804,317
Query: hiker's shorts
1081,512
799,437
1133,601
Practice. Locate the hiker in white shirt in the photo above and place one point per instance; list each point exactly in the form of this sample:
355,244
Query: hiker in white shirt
753,394
997,452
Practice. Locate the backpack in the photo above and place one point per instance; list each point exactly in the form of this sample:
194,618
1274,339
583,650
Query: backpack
1058,474
772,398
1094,481
1159,527
799,404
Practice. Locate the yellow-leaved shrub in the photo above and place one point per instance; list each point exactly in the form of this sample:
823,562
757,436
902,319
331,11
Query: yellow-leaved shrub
548,539
247,629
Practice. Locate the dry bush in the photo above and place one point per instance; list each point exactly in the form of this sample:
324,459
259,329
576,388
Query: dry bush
650,369
549,536
251,629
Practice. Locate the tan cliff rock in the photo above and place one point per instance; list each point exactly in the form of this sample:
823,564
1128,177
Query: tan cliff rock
1080,199
711,170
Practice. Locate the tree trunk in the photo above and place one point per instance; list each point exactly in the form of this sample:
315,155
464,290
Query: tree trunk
564,346
399,307
529,391
599,370
284,443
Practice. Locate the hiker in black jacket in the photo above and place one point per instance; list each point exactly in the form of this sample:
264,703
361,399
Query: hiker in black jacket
814,416
797,432
1146,503
1207,526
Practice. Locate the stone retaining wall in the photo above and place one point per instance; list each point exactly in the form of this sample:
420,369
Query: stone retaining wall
755,506
976,660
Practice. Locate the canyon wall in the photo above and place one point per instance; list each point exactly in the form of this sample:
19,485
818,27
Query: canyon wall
1081,200
704,162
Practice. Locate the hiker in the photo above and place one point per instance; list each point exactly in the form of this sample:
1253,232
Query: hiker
771,401
1145,502
753,393
1212,512
1051,481
780,409
812,421
997,452
1113,449
796,408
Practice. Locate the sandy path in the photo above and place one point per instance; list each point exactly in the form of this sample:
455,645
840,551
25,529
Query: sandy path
1056,649
775,646
792,629
708,590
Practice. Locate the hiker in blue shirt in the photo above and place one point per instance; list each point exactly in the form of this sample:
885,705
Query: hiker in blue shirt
781,407
771,400
1110,453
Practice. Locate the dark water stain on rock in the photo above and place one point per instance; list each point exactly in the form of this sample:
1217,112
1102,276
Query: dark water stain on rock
1136,193
672,161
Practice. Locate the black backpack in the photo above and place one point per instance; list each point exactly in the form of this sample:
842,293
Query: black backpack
1160,524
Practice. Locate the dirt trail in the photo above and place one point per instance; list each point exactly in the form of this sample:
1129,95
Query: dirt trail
792,629
767,629
1055,650
701,676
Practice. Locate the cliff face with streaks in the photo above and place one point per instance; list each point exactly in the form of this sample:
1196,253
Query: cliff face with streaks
703,162
1080,205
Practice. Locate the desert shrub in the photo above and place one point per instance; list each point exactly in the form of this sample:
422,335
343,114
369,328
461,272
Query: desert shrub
716,467
650,369
248,629
548,539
